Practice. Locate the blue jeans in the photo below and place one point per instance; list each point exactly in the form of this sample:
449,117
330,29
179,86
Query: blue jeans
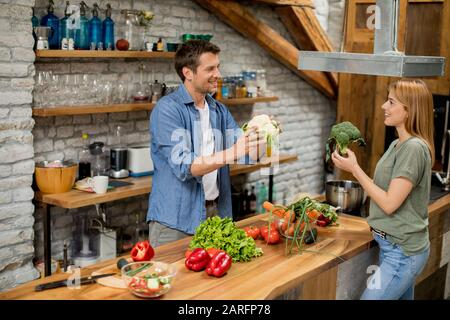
394,279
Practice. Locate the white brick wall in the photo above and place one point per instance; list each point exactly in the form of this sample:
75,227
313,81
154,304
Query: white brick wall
305,114
16,144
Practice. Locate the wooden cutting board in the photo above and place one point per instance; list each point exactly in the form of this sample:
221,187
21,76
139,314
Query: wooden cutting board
114,281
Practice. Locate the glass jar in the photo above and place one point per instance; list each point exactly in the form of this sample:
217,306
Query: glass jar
131,30
261,82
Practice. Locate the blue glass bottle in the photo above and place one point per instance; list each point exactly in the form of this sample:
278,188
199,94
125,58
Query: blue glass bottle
64,31
52,21
82,34
108,29
34,20
95,27
34,23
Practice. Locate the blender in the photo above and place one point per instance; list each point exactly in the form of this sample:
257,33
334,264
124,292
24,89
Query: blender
85,243
99,166
42,35
118,156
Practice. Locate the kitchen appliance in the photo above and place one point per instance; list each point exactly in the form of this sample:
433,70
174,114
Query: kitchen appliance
85,247
386,59
139,161
42,35
119,156
99,165
346,194
107,240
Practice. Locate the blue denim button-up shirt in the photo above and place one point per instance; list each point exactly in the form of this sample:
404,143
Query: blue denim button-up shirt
177,199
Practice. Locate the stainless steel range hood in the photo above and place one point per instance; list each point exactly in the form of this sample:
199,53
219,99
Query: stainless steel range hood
385,61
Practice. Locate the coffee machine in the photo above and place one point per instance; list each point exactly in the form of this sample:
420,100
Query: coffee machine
118,156
42,35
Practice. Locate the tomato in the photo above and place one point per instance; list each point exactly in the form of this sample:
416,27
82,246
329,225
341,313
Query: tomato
273,237
252,231
264,230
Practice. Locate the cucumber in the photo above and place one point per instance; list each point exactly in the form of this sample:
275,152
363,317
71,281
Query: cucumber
153,283
164,280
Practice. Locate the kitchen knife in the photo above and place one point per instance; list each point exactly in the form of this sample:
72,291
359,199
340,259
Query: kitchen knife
63,283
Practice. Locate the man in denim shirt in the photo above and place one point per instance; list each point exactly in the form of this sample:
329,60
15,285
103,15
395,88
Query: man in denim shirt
193,139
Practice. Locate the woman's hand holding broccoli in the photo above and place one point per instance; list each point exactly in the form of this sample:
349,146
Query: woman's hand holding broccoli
349,163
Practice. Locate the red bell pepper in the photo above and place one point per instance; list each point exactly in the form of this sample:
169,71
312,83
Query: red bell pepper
197,260
219,264
142,251
323,221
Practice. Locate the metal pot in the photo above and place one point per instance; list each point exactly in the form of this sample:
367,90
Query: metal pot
346,194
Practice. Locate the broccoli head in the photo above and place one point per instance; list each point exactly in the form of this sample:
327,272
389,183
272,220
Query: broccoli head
342,135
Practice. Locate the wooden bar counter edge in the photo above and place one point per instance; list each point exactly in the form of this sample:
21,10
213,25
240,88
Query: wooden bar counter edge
266,277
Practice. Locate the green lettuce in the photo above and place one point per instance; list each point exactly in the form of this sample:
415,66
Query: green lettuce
222,234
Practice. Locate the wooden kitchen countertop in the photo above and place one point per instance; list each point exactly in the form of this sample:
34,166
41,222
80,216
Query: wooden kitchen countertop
273,273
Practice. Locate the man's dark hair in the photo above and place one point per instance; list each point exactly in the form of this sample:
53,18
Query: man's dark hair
188,55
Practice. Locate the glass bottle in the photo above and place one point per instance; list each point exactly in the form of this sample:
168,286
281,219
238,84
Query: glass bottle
246,203
252,198
82,34
261,82
131,31
108,29
160,45
219,89
34,23
225,88
52,21
64,31
95,28
34,20
84,166
262,196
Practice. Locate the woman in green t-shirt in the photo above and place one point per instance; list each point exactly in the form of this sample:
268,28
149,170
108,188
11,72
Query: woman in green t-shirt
399,191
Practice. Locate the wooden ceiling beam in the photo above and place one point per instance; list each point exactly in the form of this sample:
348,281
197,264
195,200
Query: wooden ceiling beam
243,21
300,3
305,29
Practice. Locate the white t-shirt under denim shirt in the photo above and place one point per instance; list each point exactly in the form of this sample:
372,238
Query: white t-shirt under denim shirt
207,148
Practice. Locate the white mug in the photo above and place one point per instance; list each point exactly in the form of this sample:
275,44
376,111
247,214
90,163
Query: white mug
99,184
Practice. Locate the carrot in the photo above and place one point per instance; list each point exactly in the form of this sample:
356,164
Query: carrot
284,226
272,208
289,215
268,206
301,226
291,230
313,215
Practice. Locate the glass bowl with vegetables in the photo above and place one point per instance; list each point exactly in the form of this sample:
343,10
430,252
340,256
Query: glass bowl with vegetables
149,279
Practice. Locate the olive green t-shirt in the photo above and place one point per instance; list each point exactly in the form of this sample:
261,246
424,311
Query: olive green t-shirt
408,225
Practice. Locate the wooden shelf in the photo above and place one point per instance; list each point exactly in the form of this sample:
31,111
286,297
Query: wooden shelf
241,101
125,107
103,54
236,169
91,109
141,186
